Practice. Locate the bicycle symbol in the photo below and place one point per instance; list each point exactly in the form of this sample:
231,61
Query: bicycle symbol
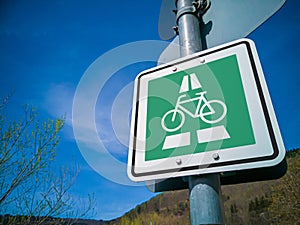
207,112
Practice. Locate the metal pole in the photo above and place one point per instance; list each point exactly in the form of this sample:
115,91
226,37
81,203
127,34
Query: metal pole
205,201
188,28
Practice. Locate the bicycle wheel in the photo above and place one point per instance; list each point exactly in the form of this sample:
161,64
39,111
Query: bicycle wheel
171,124
213,111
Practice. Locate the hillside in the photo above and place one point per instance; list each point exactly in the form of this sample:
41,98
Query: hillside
259,203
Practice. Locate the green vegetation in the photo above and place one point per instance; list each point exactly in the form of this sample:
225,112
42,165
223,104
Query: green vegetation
285,195
167,208
31,184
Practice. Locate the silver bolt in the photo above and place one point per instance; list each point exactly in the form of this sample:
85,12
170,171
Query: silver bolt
196,4
202,60
178,161
176,30
174,69
216,156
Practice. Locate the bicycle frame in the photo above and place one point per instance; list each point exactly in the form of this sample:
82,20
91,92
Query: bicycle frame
199,98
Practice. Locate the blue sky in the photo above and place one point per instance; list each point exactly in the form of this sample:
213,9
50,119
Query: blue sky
47,46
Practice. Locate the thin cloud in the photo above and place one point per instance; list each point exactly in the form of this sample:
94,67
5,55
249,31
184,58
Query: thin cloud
58,100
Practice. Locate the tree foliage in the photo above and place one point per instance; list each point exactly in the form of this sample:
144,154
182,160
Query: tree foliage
30,183
285,197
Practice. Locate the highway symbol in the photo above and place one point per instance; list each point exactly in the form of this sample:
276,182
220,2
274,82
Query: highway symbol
204,110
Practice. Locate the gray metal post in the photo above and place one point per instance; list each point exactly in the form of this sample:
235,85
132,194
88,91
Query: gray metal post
205,201
188,28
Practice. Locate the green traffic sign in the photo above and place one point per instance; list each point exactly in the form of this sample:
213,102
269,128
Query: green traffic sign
205,113
197,110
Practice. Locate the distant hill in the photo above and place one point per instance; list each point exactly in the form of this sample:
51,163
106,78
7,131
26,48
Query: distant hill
258,203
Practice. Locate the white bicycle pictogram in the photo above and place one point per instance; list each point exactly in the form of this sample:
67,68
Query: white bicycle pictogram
207,109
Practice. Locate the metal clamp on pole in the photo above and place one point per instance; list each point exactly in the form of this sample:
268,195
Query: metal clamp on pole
186,10
197,8
203,6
